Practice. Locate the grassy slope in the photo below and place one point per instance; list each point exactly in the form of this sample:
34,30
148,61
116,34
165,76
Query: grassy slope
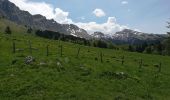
73,78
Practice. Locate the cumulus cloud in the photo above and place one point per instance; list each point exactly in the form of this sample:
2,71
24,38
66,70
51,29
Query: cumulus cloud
61,16
44,9
99,13
109,27
35,7
124,2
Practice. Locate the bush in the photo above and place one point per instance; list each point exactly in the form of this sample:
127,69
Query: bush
8,30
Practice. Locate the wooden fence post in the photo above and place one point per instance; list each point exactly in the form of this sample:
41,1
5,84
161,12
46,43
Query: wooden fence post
140,64
160,67
123,60
101,57
78,52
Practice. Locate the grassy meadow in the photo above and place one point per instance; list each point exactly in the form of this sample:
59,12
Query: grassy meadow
93,74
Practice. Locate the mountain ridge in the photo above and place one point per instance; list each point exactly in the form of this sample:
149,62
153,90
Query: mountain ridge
128,36
13,13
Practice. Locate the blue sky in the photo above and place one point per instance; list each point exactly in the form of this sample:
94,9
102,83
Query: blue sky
145,15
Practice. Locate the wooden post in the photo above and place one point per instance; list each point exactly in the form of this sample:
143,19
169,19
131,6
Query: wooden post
123,60
160,67
30,46
47,52
78,52
101,57
140,63
13,46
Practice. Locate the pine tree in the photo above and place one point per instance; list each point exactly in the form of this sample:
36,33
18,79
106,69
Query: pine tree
8,30
29,30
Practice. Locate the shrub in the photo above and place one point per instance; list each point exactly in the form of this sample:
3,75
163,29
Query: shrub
8,30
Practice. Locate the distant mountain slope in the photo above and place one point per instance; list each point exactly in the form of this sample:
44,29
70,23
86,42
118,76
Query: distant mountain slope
13,13
128,36
135,37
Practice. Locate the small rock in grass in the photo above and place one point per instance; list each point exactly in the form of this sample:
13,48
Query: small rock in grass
29,60
121,75
117,75
60,67
58,64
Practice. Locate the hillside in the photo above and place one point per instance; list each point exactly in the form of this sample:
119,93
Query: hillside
15,14
91,74
14,27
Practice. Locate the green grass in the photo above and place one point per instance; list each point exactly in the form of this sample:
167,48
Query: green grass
82,78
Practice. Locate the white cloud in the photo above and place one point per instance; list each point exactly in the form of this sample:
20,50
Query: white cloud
61,16
124,2
35,7
99,13
109,27
47,10
44,9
